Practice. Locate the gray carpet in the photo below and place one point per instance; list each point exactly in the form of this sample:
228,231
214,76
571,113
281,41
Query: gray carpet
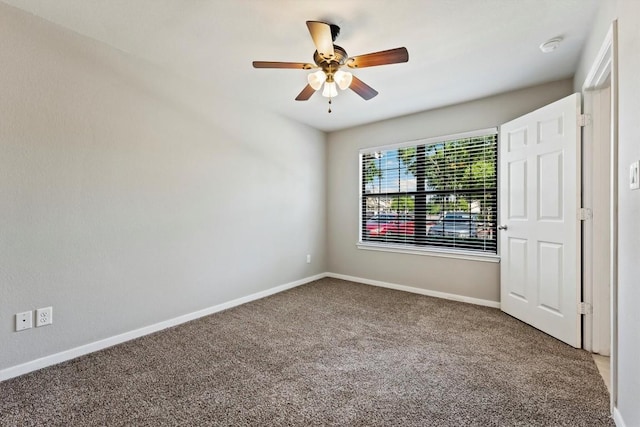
327,353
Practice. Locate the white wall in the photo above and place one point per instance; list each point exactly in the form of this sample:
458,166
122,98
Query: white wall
628,14
475,279
129,197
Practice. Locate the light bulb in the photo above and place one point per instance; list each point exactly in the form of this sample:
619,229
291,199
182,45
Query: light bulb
343,79
330,90
316,79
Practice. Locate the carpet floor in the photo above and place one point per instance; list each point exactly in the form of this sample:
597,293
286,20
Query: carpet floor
330,352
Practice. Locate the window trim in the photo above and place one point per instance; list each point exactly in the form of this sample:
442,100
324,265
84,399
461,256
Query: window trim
428,141
427,251
424,250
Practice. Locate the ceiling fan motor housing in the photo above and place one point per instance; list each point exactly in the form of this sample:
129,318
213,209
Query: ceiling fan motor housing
331,65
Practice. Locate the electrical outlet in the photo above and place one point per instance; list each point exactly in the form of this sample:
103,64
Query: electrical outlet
44,316
24,320
308,259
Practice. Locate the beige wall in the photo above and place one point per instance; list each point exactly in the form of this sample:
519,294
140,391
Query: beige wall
129,197
629,214
627,12
475,279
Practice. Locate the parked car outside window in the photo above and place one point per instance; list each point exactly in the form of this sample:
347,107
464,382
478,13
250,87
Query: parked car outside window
455,224
390,224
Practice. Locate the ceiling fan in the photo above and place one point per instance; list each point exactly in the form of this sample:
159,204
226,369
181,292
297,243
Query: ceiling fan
330,58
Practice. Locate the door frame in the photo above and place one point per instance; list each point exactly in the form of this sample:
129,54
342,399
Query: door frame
604,68
596,197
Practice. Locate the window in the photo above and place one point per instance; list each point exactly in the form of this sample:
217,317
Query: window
437,194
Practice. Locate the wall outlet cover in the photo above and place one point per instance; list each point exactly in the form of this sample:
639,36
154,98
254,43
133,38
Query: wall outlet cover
44,316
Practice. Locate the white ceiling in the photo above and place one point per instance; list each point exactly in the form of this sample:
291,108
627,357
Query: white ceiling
458,49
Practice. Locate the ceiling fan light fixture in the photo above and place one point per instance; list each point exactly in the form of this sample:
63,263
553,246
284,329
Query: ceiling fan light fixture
343,79
330,90
316,79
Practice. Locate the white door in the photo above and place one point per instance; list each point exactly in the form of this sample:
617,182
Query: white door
540,231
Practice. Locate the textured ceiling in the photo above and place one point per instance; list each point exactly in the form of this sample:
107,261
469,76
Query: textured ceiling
458,49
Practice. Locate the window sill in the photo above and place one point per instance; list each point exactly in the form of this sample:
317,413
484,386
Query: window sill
443,253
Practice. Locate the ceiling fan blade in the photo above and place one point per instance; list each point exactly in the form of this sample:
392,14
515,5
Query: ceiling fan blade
321,35
362,89
306,93
271,64
391,56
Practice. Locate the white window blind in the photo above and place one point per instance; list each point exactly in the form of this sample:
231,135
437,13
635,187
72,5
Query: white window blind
439,193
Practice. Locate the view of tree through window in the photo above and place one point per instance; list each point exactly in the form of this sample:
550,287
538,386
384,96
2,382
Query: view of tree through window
439,195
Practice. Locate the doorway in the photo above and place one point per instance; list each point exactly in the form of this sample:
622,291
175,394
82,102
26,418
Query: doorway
600,136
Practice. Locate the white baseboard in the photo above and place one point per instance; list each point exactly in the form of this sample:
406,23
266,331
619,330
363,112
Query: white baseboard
617,418
443,295
63,356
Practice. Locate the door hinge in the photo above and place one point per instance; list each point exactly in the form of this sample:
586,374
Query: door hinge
584,120
585,214
584,308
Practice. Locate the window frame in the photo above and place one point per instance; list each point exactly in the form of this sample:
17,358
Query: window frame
426,250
